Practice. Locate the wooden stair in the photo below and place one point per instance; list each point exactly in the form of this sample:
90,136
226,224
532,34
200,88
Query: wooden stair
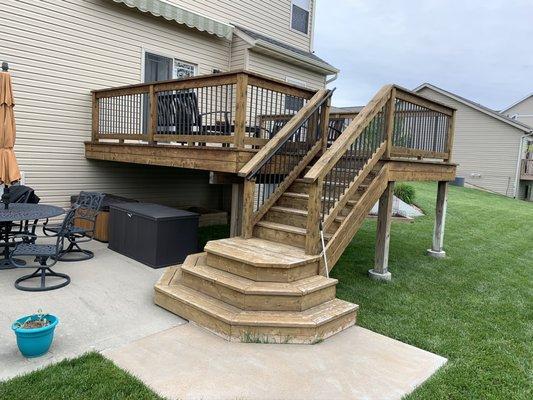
255,290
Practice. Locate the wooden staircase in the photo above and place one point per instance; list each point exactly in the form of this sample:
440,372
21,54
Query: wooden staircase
272,283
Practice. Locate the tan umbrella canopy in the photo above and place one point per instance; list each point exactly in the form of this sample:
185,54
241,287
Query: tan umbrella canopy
9,170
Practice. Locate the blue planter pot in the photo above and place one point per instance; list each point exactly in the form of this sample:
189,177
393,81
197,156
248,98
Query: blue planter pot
34,342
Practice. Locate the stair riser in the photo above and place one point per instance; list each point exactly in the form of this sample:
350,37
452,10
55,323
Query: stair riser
279,236
254,302
299,187
293,202
243,333
262,274
286,218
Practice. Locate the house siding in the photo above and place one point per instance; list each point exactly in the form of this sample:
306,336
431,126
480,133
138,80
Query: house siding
523,111
267,65
483,146
271,18
58,51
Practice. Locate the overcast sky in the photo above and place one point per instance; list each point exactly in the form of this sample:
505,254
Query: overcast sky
480,49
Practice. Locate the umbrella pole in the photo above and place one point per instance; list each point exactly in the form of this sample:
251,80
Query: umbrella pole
5,197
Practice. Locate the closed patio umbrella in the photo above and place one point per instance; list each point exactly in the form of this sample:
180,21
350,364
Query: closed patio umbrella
9,170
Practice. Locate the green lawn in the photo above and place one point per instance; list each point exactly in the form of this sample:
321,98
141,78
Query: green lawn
473,307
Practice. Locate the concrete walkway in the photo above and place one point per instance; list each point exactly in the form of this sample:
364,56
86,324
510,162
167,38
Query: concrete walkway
108,303
188,362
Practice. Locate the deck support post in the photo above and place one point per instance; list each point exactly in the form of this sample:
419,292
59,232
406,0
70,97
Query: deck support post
380,271
530,192
437,250
237,191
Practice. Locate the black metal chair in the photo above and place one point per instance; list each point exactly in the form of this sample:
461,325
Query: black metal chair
87,207
179,113
46,255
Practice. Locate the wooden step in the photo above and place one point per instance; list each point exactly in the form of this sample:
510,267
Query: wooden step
280,233
299,186
289,216
247,294
309,326
261,260
293,200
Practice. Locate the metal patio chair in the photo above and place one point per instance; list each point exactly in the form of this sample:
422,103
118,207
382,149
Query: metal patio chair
87,207
179,113
45,255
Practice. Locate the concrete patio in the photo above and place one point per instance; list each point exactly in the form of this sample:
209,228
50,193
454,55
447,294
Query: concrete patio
108,303
109,307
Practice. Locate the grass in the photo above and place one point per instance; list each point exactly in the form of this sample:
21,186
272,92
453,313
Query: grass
474,307
88,377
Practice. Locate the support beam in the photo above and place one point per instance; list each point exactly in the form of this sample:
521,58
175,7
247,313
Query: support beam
530,192
237,190
437,250
381,263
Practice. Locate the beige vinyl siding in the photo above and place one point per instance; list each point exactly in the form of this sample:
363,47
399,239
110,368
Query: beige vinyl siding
239,53
58,50
523,111
281,70
271,18
483,146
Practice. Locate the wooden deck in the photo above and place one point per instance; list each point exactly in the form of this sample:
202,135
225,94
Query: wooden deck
303,183
218,159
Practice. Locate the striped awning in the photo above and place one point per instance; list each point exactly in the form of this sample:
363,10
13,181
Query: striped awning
180,15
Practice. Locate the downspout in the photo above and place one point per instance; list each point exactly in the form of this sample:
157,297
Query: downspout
518,161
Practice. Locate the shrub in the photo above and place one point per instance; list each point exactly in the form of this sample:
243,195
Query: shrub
405,192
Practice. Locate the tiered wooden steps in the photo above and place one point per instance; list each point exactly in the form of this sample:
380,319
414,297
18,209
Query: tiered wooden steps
255,290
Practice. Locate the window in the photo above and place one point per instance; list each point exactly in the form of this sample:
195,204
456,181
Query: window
160,68
300,15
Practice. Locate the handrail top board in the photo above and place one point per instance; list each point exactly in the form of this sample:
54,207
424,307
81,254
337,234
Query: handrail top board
223,76
286,131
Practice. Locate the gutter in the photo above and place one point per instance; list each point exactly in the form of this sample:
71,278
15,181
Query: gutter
276,50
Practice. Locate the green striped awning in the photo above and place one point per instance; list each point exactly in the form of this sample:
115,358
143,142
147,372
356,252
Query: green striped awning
172,12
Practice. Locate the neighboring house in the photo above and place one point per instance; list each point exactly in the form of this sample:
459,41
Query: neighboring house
488,146
522,110
60,50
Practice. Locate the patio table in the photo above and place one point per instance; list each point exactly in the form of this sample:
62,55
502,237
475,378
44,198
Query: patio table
22,212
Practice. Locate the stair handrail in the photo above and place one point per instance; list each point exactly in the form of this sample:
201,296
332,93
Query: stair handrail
352,131
383,102
275,167
273,145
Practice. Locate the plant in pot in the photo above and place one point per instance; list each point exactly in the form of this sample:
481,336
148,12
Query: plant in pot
35,333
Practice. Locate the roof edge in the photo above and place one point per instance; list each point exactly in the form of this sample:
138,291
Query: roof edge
517,102
490,113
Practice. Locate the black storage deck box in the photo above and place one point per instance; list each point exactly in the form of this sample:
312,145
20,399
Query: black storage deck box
153,234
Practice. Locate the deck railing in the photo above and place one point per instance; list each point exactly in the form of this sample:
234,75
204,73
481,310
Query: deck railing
275,167
527,168
395,123
235,109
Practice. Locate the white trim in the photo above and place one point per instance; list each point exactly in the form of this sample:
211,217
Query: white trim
516,103
312,32
493,114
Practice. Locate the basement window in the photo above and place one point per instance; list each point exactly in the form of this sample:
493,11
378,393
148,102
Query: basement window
300,15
